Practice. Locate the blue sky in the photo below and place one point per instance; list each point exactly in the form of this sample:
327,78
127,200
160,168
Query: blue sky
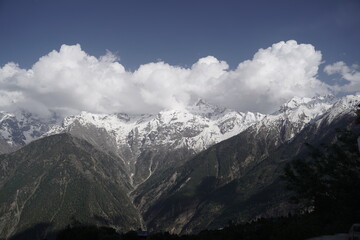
178,32
234,53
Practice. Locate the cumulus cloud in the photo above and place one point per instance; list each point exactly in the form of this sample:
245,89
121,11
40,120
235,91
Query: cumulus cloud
351,75
273,76
70,80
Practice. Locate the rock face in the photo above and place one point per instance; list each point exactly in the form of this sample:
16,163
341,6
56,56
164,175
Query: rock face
180,170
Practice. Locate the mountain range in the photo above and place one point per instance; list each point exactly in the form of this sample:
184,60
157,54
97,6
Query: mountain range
180,170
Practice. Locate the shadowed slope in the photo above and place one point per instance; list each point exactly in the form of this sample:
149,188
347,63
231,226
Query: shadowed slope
59,177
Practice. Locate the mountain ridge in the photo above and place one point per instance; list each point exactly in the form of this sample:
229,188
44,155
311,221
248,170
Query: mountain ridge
222,123
236,179
59,177
166,185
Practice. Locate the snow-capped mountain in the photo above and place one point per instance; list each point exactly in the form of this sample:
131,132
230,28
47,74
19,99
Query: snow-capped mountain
344,106
145,167
241,177
294,115
20,128
147,142
196,127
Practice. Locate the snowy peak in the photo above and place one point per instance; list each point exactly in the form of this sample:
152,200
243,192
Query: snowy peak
196,127
297,102
205,109
200,102
304,110
294,115
346,105
22,127
294,103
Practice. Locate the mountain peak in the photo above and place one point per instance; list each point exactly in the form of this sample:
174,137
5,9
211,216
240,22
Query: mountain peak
205,109
200,102
297,102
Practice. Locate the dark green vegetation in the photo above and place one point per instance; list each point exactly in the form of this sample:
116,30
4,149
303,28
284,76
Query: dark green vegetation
55,178
88,233
327,182
263,229
291,227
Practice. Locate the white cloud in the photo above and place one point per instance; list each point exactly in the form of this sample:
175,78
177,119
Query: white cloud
70,80
350,74
273,76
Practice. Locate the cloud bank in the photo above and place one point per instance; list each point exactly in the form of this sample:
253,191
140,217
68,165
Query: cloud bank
70,80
